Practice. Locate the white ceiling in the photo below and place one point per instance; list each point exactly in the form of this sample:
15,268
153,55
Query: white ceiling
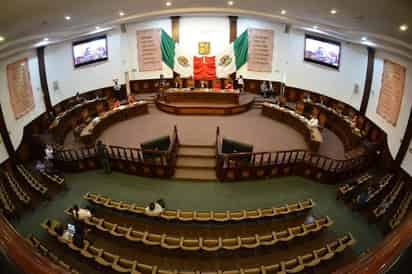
25,22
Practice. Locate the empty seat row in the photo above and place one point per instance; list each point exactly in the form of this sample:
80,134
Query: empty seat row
383,183
34,242
8,205
203,216
53,177
401,211
15,186
31,180
388,200
349,187
295,265
209,244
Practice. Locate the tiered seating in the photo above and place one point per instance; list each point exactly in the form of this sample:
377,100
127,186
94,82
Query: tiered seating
112,261
383,183
53,177
345,189
31,180
34,242
203,216
401,211
209,244
388,200
5,200
20,193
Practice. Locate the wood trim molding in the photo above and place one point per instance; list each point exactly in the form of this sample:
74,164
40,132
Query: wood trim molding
43,80
6,137
406,141
368,81
175,28
233,28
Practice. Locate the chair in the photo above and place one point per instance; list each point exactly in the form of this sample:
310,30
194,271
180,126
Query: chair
146,269
268,212
91,252
120,231
169,214
190,244
238,215
292,266
170,242
250,242
123,206
107,259
136,236
211,244
272,269
299,231
254,214
152,239
231,243
324,253
217,84
309,260
185,216
284,236
336,246
136,209
202,216
268,239
348,240
221,216
106,226
124,266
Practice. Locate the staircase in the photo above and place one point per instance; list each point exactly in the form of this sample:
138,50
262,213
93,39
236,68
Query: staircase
196,162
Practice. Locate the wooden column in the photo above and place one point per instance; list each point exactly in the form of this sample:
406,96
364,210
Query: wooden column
6,137
368,81
43,80
233,28
175,28
406,141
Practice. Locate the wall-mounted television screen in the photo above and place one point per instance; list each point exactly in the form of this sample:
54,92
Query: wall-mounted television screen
90,51
322,51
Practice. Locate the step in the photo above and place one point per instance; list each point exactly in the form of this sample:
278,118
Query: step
195,174
196,162
208,152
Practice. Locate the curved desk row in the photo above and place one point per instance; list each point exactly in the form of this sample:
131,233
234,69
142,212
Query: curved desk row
92,131
312,135
202,96
65,121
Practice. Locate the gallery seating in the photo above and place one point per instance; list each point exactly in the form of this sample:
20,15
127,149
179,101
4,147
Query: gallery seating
203,216
31,180
108,260
15,186
377,189
389,199
42,249
401,211
209,244
7,204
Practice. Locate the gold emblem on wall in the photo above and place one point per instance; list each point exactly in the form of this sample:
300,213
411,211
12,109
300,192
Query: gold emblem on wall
204,48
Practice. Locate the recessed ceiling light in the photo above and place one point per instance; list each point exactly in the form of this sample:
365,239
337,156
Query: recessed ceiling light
333,11
2,38
283,12
403,27
121,13
168,4
364,38
230,3
315,27
67,18
97,27
45,39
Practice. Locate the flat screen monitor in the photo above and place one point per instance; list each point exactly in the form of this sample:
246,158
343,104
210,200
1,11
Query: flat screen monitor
90,51
322,51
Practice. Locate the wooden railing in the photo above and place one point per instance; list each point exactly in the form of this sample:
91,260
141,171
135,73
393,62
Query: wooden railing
130,160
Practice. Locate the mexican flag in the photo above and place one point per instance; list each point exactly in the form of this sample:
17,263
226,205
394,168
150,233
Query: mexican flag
234,57
174,56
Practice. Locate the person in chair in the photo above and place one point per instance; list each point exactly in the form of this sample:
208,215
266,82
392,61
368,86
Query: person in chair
154,209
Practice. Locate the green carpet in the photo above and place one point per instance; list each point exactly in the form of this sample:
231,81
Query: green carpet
205,196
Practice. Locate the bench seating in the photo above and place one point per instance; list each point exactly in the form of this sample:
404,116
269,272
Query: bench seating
203,216
43,250
400,211
8,205
209,244
31,180
111,261
53,177
388,200
20,193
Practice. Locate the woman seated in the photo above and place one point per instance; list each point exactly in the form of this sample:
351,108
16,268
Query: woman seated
154,209
131,99
81,213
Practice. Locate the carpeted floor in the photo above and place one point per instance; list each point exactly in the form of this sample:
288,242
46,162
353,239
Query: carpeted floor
205,196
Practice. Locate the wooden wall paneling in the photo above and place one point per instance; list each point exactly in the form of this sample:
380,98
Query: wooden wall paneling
406,141
368,81
6,137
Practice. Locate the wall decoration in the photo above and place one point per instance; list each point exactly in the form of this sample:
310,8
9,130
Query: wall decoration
149,51
260,50
392,89
20,89
204,48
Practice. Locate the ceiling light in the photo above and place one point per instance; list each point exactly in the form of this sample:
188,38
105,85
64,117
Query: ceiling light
168,4
333,11
46,39
97,27
230,3
2,38
67,18
121,13
364,38
283,12
315,27
403,27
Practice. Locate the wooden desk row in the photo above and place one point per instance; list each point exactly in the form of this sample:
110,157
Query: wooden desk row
202,96
312,135
92,131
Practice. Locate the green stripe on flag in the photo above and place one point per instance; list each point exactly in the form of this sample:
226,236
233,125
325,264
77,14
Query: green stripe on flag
241,49
168,49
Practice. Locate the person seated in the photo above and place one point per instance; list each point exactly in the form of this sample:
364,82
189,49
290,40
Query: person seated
229,85
264,89
178,83
131,99
354,121
49,152
65,234
204,84
81,213
154,209
79,99
115,104
40,166
313,122
162,203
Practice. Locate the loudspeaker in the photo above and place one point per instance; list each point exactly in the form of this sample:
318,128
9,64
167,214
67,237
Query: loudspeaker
123,28
287,28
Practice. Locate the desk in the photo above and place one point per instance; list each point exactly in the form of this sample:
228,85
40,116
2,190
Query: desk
202,96
92,131
65,121
313,136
